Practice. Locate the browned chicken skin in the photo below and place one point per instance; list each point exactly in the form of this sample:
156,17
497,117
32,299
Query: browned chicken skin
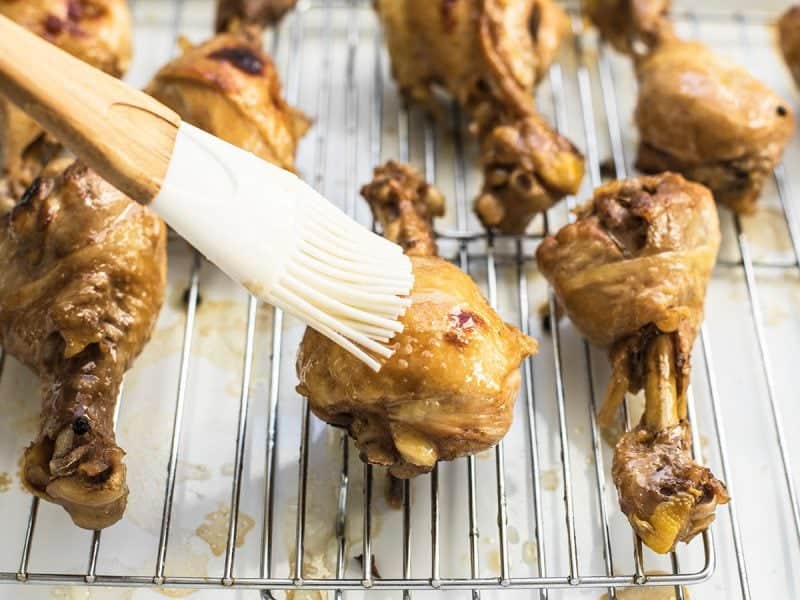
260,13
81,287
96,31
697,113
710,120
631,26
631,273
489,55
229,87
789,40
450,387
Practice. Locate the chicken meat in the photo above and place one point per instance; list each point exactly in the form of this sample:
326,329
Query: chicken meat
449,389
259,13
228,86
631,26
489,55
697,113
631,273
789,40
709,119
81,288
96,31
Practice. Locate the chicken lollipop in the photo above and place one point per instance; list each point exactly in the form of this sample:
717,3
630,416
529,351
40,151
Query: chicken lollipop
631,273
96,31
489,56
84,272
450,388
229,87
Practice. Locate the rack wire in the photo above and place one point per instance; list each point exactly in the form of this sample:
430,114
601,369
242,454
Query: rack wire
481,255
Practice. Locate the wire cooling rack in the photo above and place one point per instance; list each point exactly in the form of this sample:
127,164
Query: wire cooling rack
458,528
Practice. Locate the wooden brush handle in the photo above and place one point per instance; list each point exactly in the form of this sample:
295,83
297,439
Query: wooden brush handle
120,132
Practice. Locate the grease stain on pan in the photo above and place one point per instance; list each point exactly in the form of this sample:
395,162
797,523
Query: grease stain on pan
214,529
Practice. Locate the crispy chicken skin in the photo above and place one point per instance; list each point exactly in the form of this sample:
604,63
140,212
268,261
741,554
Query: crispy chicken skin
490,54
710,120
260,13
789,40
631,26
631,273
229,87
450,387
697,113
96,31
82,284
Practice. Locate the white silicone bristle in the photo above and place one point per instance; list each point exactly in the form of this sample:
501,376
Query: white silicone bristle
347,283
287,244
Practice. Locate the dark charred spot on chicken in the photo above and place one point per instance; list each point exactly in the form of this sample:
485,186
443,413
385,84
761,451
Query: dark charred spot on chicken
460,326
53,26
241,57
81,425
781,110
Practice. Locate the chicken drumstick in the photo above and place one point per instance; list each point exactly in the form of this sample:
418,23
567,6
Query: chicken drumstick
228,86
84,272
490,55
449,390
697,113
631,272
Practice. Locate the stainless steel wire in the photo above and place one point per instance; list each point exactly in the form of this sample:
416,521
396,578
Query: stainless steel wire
472,247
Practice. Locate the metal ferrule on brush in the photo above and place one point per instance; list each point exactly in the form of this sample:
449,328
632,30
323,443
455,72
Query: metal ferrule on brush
298,251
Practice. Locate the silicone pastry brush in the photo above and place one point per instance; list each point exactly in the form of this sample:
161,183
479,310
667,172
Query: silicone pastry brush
260,224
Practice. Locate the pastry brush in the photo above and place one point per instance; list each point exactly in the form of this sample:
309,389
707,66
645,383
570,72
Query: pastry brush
260,224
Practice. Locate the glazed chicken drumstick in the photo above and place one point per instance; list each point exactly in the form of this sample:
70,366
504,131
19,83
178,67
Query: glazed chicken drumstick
450,388
96,31
631,273
697,113
228,86
83,278
489,55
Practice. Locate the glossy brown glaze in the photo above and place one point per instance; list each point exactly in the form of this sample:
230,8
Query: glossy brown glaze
228,86
710,120
82,284
631,273
450,387
489,56
655,469
697,113
640,252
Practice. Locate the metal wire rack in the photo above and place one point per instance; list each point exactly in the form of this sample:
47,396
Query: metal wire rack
443,147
